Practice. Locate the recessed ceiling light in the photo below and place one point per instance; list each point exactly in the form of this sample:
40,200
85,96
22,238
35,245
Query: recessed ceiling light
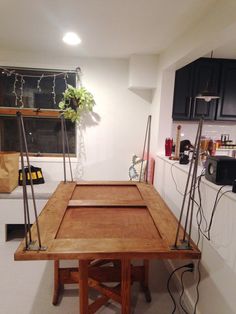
71,38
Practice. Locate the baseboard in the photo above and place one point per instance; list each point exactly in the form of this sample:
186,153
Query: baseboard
187,299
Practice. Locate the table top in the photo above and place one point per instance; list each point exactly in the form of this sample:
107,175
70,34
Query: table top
93,220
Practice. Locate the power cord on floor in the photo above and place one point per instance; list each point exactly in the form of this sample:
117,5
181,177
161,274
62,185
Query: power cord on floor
190,268
206,233
208,230
182,287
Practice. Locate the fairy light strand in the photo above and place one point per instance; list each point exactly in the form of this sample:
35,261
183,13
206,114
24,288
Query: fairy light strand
65,79
10,72
38,83
14,90
21,77
22,81
78,75
54,89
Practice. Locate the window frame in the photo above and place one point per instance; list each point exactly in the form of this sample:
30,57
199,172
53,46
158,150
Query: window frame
38,112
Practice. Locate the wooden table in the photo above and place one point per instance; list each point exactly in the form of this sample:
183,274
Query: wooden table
98,222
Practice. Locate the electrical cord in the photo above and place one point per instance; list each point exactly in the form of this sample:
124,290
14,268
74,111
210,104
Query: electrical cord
200,208
172,175
169,279
208,230
199,275
200,212
173,178
197,287
200,216
214,210
182,287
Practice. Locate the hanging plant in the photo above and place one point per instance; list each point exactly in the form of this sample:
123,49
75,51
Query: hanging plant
75,102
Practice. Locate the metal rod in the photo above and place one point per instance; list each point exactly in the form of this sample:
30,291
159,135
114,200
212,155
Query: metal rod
31,181
68,150
195,180
63,146
144,146
25,197
191,187
183,204
185,195
148,146
23,180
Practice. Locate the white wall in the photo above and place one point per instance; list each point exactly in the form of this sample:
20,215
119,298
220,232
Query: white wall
218,267
213,30
143,71
116,129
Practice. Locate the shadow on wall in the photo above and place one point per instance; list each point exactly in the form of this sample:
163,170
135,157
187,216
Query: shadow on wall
90,119
146,94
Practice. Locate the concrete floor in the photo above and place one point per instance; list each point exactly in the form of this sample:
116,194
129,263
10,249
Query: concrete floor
26,288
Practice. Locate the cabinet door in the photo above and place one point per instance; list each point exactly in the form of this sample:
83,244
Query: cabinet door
227,104
206,76
182,93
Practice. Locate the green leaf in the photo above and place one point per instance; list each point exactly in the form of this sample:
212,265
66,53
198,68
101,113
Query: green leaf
84,100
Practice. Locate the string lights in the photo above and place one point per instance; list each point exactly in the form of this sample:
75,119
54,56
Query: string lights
22,81
78,75
18,88
65,79
38,83
54,90
14,90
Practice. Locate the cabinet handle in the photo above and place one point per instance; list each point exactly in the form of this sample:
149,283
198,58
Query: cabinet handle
194,106
189,106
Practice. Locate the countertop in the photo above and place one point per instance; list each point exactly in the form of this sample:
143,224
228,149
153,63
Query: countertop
185,169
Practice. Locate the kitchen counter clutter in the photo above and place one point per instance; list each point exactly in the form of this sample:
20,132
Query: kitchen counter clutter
12,210
170,181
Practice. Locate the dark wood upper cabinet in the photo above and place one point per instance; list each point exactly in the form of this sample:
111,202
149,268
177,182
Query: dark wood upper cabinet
227,103
206,76
183,93
190,80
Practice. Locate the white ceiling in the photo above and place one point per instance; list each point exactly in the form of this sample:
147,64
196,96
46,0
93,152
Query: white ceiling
227,51
108,28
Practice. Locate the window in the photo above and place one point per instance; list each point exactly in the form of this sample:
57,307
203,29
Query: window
43,135
38,92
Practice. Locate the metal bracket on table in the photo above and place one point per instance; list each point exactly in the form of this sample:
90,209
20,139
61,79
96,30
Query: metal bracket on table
33,247
184,246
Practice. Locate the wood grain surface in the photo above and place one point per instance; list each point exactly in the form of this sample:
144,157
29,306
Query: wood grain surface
130,220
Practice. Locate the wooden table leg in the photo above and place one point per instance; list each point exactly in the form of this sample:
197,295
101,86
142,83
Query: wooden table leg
125,286
83,286
56,283
145,283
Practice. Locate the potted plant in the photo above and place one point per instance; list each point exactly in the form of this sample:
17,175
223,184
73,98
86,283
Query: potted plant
75,102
